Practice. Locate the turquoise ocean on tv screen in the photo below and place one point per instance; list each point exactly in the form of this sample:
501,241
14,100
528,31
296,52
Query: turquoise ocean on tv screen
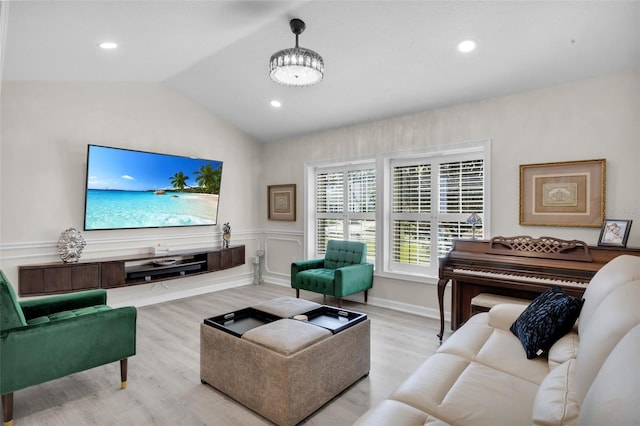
109,209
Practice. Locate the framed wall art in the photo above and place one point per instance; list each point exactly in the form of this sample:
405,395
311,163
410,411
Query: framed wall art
614,233
568,193
282,202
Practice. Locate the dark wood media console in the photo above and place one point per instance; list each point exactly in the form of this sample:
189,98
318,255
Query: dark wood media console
58,277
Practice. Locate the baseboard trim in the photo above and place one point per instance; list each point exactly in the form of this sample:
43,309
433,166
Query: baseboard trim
384,303
407,308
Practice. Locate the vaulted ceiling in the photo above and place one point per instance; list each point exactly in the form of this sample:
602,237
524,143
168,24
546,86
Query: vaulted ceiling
382,58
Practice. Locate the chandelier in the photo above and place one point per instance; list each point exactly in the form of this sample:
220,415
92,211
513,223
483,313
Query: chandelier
296,66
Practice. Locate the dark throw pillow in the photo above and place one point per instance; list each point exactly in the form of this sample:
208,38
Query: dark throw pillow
549,317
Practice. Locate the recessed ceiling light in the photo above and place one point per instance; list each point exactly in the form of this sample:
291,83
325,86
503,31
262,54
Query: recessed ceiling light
276,104
108,45
466,46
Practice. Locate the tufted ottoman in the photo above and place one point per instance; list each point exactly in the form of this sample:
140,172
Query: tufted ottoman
285,369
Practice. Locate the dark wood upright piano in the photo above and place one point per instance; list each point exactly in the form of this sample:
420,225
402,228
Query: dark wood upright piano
520,266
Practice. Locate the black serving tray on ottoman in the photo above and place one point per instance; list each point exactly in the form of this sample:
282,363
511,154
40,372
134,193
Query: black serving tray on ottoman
239,322
334,319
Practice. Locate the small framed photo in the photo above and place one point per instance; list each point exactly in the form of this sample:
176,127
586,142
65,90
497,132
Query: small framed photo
614,233
282,202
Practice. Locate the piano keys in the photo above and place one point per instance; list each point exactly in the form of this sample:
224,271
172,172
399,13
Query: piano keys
521,267
530,279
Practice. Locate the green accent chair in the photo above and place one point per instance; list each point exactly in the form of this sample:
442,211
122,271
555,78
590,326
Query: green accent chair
48,338
343,271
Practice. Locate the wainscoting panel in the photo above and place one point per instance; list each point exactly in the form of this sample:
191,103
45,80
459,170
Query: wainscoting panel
280,251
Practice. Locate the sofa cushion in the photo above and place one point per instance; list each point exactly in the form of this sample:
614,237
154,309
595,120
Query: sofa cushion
468,339
427,387
555,402
389,412
549,317
615,273
503,315
485,396
503,352
613,396
610,322
564,349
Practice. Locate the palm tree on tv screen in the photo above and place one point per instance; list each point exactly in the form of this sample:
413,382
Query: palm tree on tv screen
179,180
209,179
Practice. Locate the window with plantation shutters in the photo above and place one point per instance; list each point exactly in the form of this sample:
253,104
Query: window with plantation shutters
431,200
411,214
461,193
345,206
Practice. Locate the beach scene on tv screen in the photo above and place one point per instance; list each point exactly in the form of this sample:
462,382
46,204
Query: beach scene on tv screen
133,189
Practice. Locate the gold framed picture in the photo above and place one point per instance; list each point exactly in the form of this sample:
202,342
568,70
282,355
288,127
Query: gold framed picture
282,202
570,193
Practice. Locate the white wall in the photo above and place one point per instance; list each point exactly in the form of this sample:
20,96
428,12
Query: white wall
591,119
46,128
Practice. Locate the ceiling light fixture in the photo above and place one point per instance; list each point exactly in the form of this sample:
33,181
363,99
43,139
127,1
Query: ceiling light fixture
108,45
296,66
276,104
467,46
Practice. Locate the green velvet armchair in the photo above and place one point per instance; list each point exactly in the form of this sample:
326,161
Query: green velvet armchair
48,338
343,271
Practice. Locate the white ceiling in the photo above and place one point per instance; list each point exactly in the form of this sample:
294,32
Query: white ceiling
382,58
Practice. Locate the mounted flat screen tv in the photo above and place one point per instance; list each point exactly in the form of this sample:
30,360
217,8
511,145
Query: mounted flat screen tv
134,189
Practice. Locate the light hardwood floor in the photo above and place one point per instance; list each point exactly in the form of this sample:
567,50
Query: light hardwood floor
164,378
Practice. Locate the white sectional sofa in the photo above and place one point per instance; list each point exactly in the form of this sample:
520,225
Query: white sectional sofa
481,376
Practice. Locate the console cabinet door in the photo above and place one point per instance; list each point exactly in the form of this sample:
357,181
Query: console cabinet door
213,261
57,280
85,277
112,274
31,281
237,256
226,258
